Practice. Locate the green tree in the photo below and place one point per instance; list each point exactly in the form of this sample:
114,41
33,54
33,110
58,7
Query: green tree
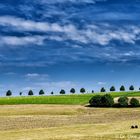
134,102
8,93
62,91
95,101
122,88
82,90
103,89
123,101
102,101
131,88
41,92
30,93
72,90
107,100
112,88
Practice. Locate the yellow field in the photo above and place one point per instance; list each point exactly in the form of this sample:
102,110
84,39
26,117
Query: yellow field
67,122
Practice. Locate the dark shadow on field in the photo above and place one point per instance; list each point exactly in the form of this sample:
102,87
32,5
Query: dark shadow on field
114,106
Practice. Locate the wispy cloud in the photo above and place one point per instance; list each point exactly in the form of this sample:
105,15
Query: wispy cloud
28,25
36,77
101,83
56,86
100,34
73,1
48,87
18,41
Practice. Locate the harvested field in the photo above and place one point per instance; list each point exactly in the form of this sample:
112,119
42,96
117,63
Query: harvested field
67,122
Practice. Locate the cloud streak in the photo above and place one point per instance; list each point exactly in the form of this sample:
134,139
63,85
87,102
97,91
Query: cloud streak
94,33
20,41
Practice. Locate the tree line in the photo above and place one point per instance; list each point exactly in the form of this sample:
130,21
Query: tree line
72,90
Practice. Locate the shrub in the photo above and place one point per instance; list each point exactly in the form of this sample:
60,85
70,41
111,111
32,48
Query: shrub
107,100
95,101
134,102
102,101
123,101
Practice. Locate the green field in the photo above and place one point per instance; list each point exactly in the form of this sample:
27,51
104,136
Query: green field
76,99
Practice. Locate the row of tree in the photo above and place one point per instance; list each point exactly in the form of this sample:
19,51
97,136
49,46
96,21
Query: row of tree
41,92
72,90
122,88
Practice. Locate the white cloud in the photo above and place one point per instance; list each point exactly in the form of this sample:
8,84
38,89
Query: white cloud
32,75
28,25
36,77
18,41
57,85
101,83
130,53
10,73
73,1
95,34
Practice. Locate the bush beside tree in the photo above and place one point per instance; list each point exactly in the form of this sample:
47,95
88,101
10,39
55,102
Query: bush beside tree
123,101
95,101
107,100
102,101
134,102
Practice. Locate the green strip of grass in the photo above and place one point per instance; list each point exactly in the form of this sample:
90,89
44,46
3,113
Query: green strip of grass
62,99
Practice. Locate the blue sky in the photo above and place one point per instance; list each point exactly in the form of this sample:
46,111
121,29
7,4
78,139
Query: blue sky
59,44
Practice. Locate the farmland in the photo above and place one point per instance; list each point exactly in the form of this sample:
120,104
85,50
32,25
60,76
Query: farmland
76,99
67,122
66,117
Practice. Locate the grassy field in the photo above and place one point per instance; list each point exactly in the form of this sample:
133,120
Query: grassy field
63,99
68,122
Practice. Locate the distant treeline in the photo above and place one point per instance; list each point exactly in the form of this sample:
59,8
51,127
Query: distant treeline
72,90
